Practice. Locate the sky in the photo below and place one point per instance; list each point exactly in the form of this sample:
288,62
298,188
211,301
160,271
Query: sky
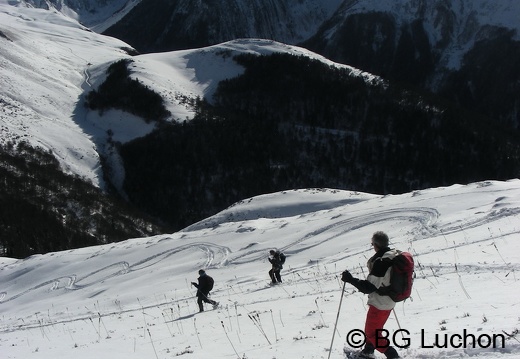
133,299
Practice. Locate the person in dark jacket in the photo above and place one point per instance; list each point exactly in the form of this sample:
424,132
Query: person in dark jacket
276,266
379,306
204,286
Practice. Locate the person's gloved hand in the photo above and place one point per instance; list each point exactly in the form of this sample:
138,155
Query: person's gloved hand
346,276
193,283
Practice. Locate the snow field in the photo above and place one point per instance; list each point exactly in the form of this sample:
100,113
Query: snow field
133,299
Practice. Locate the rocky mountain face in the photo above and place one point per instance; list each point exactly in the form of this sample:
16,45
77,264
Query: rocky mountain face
161,25
464,50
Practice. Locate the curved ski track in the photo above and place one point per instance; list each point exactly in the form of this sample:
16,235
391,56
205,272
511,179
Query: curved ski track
215,256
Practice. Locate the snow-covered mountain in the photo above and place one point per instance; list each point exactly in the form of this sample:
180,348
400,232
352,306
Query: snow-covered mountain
448,47
97,15
50,61
133,299
443,30
464,49
46,58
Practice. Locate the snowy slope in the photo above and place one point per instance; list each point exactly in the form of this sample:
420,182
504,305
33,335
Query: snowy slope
197,72
45,69
50,61
95,14
133,299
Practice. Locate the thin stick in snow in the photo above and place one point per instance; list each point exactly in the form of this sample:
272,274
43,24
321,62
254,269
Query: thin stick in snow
258,325
97,331
416,291
238,322
181,328
319,312
318,284
274,326
457,269
464,233
101,322
362,270
144,317
460,281
306,281
238,356
434,275
151,341
43,329
166,323
511,336
196,331
507,264
229,316
398,324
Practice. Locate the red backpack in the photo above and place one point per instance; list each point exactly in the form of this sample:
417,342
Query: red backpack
401,278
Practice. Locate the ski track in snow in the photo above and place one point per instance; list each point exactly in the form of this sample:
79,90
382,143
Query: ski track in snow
424,217
215,256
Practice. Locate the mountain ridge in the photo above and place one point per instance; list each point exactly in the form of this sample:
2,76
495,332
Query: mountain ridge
447,47
161,25
372,134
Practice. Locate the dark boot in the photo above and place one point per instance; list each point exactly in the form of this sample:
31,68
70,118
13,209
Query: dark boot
367,352
391,353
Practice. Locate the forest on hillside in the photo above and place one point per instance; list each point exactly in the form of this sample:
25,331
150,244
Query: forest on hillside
49,210
293,122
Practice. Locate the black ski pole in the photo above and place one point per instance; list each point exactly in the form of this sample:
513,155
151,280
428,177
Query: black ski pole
337,317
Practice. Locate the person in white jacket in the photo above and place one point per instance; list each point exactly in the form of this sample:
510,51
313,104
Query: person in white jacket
379,306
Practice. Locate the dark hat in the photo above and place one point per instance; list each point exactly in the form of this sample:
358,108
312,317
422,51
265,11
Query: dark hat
380,239
272,251
202,271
